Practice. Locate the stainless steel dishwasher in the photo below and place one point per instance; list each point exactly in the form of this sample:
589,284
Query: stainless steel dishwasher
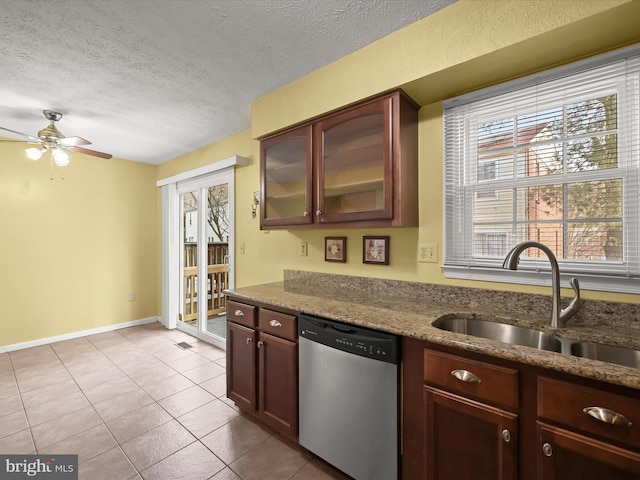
349,397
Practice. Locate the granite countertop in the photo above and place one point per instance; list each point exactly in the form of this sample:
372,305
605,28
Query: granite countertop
409,309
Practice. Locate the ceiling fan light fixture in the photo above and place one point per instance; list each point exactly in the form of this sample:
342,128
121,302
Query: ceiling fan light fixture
51,139
60,157
34,153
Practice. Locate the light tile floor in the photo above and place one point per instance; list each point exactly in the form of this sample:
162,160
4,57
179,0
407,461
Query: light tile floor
133,405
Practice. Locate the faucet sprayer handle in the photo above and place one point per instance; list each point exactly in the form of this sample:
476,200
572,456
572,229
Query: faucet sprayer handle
575,284
574,305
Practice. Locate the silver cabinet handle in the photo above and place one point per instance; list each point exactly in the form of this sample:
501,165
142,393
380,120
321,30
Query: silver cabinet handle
260,343
607,416
465,376
239,313
318,212
547,450
248,340
506,435
275,323
306,214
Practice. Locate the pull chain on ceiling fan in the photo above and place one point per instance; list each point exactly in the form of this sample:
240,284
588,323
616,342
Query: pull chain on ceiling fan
54,141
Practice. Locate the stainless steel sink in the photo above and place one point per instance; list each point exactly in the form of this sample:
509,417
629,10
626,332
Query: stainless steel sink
529,337
606,353
501,332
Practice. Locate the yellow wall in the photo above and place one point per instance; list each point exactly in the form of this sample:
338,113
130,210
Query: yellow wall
467,46
71,250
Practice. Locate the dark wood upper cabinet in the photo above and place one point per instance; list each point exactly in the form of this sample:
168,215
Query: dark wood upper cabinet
285,173
356,167
354,164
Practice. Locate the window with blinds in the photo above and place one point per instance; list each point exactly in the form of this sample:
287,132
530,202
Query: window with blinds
554,160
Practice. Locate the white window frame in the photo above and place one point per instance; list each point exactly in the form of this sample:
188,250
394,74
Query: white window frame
460,193
489,194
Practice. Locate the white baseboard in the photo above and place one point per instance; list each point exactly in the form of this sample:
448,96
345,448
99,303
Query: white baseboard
82,333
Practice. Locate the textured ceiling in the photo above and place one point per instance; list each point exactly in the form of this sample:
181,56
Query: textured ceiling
149,80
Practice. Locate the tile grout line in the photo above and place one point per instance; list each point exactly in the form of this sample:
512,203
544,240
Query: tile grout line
139,473
173,418
199,440
24,407
309,460
94,409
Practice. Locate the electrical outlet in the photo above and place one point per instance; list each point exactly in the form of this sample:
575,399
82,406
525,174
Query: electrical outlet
303,249
427,253
132,296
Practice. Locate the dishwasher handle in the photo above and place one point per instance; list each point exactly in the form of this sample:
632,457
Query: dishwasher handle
324,327
341,328
351,338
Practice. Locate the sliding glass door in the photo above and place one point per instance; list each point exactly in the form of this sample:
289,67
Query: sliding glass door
206,231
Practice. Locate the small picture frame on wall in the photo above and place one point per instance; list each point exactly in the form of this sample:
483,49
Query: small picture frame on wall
335,249
375,250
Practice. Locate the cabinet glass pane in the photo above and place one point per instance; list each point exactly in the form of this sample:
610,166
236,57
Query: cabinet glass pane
354,165
286,178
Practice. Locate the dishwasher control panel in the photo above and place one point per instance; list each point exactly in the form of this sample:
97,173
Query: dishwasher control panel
350,338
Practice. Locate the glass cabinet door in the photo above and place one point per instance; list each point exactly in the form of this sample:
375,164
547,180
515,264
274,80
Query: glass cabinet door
286,178
354,164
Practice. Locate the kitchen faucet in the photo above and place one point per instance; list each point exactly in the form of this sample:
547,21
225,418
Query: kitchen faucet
559,316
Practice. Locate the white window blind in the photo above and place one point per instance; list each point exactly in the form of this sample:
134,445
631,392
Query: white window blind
556,162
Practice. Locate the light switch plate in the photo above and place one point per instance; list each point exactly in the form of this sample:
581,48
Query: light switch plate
427,253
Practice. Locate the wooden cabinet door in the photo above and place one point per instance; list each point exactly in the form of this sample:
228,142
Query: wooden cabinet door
278,384
566,455
354,164
468,440
286,179
241,366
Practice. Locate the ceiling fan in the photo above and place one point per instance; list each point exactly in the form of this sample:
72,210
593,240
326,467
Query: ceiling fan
54,141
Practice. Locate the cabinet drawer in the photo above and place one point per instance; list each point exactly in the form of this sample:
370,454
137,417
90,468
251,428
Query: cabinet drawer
564,403
471,378
278,324
241,313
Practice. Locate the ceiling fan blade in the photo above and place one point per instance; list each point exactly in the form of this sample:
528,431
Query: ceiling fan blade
28,138
89,152
73,141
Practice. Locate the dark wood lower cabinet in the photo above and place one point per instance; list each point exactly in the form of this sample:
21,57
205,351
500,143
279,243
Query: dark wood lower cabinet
241,366
468,440
278,385
538,428
262,368
568,455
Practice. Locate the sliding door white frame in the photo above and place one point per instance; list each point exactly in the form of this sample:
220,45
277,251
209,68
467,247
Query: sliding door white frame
215,172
